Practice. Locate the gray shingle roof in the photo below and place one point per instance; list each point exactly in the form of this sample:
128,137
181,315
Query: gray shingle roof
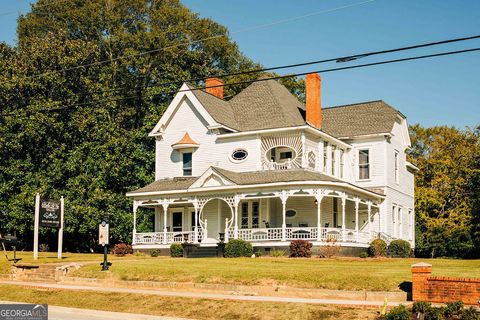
240,178
359,119
273,176
262,105
268,104
180,183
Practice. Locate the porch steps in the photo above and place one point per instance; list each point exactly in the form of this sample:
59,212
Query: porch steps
196,251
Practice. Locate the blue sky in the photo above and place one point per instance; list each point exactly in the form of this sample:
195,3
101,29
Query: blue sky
438,91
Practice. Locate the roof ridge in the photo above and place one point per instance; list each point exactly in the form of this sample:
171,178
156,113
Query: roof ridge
354,104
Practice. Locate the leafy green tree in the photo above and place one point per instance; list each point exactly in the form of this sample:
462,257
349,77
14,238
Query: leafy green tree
447,190
95,148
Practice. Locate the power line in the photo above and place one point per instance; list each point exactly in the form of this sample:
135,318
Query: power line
342,59
197,41
337,59
265,79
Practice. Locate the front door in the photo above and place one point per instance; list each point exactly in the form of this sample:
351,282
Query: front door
177,221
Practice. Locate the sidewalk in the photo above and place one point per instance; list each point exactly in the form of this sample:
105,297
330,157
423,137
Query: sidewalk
201,295
63,313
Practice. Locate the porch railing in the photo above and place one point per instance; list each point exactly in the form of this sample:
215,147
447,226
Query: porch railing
171,237
266,234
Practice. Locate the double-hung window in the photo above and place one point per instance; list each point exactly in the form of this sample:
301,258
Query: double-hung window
364,164
325,156
397,167
334,160
187,164
342,163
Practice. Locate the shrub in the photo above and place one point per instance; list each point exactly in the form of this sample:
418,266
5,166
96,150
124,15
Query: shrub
377,248
238,248
453,309
43,247
154,253
399,248
421,307
277,253
121,249
176,250
398,313
300,249
330,249
139,254
436,314
470,314
363,255
258,253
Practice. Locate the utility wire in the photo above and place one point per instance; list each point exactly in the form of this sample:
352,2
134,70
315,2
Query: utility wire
197,41
264,79
338,60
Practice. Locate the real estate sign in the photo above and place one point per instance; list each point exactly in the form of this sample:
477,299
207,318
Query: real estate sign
50,213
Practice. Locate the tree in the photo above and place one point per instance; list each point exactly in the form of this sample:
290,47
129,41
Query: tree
447,190
92,154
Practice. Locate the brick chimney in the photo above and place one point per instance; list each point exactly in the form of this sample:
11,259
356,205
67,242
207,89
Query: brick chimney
216,91
313,100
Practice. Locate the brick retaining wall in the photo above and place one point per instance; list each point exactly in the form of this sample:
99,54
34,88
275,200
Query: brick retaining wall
426,287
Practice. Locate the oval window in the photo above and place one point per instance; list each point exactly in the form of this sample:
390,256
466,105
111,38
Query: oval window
239,154
290,213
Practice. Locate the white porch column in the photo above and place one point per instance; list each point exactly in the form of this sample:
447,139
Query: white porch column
357,203
195,229
344,200
165,210
319,217
235,217
369,210
226,229
205,231
284,198
135,207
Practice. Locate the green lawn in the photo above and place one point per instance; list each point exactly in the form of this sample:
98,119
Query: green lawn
341,273
183,307
51,257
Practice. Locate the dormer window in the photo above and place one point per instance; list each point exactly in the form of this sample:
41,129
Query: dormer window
187,163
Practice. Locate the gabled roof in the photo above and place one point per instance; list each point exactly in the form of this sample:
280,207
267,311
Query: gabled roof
219,109
359,119
262,105
274,176
182,184
178,183
267,104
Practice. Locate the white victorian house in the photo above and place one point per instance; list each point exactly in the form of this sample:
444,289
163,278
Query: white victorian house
266,168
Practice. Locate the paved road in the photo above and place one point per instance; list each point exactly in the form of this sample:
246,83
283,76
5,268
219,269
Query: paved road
202,295
62,313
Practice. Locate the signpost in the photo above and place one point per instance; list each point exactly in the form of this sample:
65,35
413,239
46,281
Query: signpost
103,236
48,213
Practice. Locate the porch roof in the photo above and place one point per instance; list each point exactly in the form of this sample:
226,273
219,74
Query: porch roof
183,184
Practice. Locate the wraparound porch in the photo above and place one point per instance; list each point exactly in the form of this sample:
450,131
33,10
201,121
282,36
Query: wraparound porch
314,214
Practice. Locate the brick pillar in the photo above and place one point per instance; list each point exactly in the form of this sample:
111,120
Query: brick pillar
420,273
